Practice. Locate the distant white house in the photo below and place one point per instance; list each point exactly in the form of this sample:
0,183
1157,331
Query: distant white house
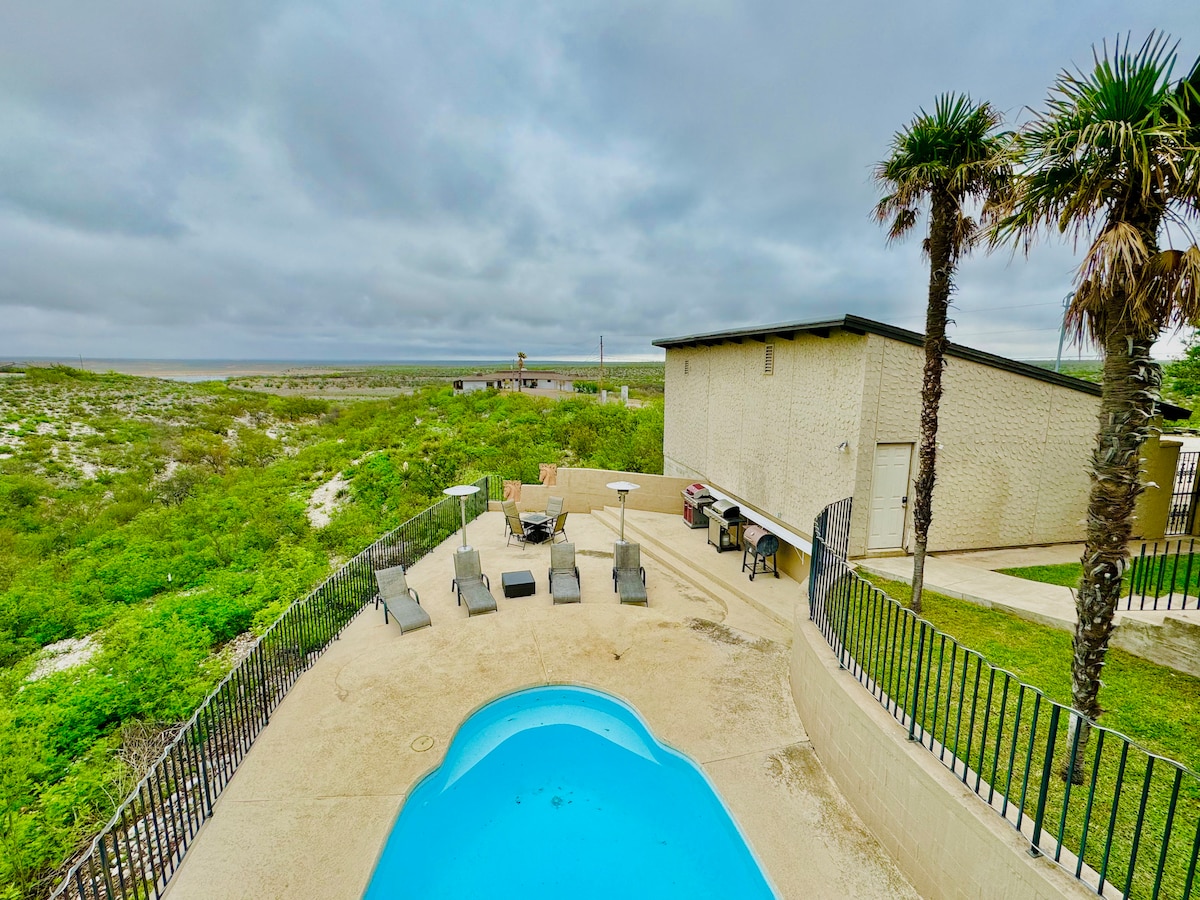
528,379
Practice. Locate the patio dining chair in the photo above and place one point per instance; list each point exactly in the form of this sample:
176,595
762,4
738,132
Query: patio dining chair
399,599
515,528
554,506
558,527
472,585
629,578
564,574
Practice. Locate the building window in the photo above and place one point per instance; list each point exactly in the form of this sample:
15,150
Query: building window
769,360
687,367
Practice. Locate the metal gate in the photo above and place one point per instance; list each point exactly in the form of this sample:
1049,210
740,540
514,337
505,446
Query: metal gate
1183,494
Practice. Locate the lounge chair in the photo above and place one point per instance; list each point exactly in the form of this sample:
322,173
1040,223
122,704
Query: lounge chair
629,578
472,585
513,524
558,526
399,599
564,574
554,506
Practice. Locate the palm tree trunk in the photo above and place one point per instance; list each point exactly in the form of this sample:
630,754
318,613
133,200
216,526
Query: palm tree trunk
941,267
1129,391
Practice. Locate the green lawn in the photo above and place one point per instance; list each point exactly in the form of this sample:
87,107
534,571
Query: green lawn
1152,576
987,718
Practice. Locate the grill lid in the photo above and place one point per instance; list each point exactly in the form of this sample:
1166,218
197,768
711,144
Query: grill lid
696,491
726,509
761,540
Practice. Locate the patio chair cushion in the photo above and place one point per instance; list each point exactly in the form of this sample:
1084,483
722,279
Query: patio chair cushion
629,578
559,527
400,600
471,583
564,575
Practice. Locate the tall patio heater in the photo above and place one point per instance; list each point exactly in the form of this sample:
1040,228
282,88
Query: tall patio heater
622,488
462,492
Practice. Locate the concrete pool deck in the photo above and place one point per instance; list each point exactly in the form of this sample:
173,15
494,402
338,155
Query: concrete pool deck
706,666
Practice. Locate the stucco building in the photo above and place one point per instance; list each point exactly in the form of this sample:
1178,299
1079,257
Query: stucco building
512,380
789,418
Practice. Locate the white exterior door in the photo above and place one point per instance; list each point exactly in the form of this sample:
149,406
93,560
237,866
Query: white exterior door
889,496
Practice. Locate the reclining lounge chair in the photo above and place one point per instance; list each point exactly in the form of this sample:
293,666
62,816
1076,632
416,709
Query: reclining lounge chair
472,585
629,578
564,574
399,599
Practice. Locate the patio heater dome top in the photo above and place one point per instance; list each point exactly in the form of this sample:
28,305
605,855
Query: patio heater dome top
462,490
622,486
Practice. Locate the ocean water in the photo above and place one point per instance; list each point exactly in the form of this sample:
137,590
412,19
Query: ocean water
561,792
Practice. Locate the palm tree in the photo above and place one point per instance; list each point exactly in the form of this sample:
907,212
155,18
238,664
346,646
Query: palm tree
953,158
1114,159
521,357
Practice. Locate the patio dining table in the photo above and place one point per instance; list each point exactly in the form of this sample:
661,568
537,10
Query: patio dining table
537,531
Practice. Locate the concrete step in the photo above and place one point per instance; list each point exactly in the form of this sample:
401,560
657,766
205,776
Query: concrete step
716,574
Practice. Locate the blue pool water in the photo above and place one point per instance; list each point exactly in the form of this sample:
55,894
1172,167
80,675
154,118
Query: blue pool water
563,792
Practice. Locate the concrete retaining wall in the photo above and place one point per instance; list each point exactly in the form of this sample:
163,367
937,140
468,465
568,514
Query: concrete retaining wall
585,490
1173,642
945,840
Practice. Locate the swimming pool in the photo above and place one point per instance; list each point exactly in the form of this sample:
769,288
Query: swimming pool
564,792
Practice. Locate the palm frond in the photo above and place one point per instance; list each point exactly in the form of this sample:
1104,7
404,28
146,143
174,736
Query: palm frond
953,151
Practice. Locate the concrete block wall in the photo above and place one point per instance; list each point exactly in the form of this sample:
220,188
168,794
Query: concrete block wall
945,840
585,490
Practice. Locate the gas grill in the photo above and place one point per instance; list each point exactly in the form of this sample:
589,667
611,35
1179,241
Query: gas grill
695,498
725,525
760,549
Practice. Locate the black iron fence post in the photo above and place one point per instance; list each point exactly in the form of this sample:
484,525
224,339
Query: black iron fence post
916,683
1044,789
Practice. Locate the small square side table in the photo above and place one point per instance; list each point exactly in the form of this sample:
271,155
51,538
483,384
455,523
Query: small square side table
518,584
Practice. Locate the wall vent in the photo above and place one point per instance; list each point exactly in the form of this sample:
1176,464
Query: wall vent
769,359
687,367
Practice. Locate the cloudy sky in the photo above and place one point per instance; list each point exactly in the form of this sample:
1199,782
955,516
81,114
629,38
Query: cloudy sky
379,179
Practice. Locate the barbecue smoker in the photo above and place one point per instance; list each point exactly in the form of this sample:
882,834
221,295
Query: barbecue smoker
725,525
759,555
695,498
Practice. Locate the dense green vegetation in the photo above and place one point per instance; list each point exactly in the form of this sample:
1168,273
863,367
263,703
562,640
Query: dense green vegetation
165,523
1083,369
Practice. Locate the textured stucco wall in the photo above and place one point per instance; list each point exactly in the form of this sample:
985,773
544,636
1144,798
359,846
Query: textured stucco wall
1012,467
769,439
1014,454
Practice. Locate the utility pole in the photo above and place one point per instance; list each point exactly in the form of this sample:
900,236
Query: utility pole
1062,331
602,362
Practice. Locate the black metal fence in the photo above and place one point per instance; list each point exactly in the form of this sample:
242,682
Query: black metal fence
143,844
1121,819
1164,579
1183,494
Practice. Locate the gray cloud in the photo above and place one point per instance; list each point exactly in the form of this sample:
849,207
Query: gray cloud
407,180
